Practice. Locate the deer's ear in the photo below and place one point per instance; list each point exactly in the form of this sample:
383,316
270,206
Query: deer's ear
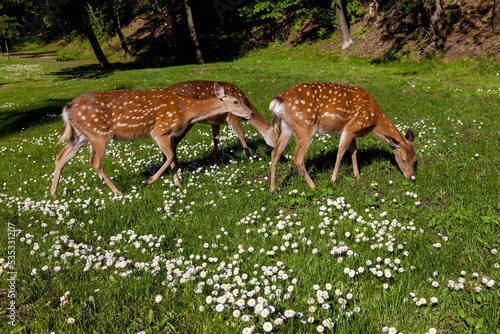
392,141
410,136
219,90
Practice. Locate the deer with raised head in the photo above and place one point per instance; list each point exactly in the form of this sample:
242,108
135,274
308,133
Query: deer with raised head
203,89
98,117
348,111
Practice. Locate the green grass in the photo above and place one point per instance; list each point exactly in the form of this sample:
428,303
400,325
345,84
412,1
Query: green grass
222,231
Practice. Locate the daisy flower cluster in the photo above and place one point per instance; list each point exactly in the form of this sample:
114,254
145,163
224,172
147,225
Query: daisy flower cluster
256,295
22,72
475,282
422,301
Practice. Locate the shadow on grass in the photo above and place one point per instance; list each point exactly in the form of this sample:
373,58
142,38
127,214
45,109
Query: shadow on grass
95,71
326,162
34,54
15,121
225,154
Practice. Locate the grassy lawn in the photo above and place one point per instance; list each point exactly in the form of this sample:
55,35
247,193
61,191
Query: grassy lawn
221,254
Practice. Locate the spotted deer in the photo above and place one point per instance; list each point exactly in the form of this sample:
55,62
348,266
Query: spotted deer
203,89
98,117
348,111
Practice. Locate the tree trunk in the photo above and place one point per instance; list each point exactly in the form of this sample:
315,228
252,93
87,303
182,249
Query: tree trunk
96,19
118,28
192,32
101,57
496,15
82,21
437,20
373,8
343,26
7,49
1,46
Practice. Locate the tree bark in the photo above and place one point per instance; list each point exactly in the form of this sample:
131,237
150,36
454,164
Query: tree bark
496,15
437,20
118,28
343,26
192,32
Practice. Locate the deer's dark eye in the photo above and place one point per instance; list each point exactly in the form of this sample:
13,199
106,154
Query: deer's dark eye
236,102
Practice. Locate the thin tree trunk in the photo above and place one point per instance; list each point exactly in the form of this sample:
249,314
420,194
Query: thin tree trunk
7,49
83,25
343,26
192,32
101,57
496,15
437,20
92,12
118,28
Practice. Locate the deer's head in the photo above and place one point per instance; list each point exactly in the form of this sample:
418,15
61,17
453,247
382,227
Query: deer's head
404,153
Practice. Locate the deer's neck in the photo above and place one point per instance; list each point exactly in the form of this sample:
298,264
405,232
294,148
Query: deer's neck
385,127
200,109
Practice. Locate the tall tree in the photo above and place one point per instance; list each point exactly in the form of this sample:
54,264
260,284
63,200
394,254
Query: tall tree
115,16
342,23
192,32
81,19
496,15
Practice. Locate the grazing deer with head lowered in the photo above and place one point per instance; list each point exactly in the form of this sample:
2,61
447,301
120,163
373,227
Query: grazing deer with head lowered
98,117
348,111
203,89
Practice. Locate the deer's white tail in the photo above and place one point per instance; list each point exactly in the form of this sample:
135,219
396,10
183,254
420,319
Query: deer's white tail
276,107
67,130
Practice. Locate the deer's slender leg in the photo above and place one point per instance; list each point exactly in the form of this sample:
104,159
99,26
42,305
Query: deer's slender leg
301,149
283,139
167,146
175,163
235,123
345,140
76,142
98,151
215,135
354,150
